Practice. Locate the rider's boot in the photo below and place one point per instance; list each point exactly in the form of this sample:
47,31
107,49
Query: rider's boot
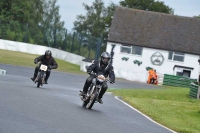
82,93
45,81
35,74
34,77
100,100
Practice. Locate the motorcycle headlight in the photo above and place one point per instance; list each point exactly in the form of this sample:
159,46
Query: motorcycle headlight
101,78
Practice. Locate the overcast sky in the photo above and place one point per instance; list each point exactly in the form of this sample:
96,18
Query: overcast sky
69,9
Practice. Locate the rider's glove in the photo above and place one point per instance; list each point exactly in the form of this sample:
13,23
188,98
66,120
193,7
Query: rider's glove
35,61
89,72
50,67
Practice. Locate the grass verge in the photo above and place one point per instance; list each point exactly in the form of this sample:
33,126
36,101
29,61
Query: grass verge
24,59
170,106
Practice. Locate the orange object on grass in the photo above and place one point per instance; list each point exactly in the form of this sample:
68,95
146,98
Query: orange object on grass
152,78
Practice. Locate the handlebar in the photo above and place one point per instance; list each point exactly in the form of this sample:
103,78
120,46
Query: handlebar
96,75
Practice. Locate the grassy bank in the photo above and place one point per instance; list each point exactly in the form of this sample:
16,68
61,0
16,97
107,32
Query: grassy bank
24,59
170,106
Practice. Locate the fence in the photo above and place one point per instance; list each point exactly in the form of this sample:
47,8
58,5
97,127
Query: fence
177,81
194,91
78,43
84,45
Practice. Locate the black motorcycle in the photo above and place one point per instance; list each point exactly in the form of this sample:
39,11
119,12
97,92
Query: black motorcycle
93,92
41,75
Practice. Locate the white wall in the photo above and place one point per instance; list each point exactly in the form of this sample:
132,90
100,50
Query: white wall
83,66
40,50
130,71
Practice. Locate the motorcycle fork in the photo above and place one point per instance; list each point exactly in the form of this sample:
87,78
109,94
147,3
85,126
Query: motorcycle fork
93,85
38,75
92,91
98,91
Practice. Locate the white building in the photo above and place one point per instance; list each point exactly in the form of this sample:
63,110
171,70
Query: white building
170,44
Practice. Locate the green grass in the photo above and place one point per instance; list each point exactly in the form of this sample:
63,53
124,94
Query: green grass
24,59
171,106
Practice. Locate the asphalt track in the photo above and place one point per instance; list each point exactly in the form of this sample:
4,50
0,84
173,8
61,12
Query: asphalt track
56,107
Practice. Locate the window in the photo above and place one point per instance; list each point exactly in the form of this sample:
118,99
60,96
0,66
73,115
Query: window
182,70
176,56
125,49
136,50
185,73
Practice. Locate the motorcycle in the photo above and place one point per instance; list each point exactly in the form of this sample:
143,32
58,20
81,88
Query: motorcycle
41,75
93,92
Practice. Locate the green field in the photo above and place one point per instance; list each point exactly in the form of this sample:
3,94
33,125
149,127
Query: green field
171,106
24,59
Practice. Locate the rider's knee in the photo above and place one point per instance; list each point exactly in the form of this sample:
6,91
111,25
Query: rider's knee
89,80
105,87
37,68
48,71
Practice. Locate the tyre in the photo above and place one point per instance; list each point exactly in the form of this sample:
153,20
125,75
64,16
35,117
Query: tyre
85,102
92,101
40,77
39,83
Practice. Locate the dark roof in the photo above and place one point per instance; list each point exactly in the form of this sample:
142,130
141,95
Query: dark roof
183,67
155,30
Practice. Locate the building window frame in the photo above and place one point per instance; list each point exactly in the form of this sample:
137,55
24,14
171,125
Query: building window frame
124,47
174,56
134,50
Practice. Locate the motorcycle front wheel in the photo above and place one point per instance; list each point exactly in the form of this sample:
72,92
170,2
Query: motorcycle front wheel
39,83
92,100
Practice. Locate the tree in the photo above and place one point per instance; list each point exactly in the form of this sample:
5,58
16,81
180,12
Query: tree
197,16
97,20
91,23
107,19
21,11
16,17
93,27
32,21
149,5
51,23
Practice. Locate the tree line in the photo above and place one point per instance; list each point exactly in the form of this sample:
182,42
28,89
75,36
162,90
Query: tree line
39,22
32,21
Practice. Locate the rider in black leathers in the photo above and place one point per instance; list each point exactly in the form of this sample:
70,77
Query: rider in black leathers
100,67
47,60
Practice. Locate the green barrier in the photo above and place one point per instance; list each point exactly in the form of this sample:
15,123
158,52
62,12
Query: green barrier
177,81
194,91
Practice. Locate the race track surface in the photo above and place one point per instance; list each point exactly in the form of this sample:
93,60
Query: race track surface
56,107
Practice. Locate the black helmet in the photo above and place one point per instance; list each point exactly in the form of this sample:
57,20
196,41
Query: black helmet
105,55
48,52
